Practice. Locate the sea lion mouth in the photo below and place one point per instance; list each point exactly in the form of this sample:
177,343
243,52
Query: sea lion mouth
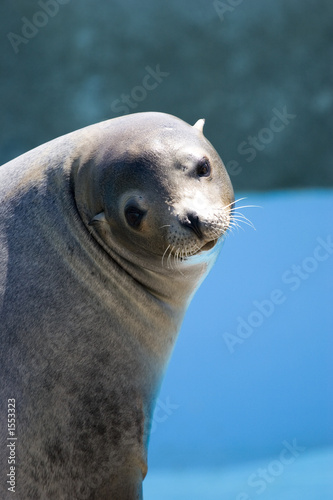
183,255
208,246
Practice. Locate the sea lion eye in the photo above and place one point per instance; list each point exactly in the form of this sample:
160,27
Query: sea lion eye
134,216
203,168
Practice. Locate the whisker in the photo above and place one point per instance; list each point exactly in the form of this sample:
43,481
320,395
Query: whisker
245,221
169,264
245,206
180,256
235,225
234,202
242,218
165,251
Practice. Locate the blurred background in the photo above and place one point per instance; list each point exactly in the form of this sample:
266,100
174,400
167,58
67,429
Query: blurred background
249,386
235,63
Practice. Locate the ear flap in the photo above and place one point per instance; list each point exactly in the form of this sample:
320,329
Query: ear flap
98,218
200,125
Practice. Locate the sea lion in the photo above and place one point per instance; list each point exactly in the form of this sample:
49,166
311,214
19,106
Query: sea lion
105,235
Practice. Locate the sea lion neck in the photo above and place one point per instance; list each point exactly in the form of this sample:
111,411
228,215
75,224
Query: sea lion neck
174,287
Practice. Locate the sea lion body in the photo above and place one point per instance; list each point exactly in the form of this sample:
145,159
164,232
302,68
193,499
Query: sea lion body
99,258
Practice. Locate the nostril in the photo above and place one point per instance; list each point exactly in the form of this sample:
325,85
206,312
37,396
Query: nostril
193,222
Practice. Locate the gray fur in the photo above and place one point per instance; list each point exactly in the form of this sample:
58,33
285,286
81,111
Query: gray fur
89,309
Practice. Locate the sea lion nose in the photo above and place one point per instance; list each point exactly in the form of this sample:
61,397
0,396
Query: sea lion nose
193,222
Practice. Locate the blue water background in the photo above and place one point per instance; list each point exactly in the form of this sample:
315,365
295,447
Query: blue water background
227,409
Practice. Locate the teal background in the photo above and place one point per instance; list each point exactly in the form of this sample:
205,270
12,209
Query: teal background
231,62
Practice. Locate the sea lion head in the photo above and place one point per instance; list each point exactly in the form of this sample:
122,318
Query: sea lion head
155,188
